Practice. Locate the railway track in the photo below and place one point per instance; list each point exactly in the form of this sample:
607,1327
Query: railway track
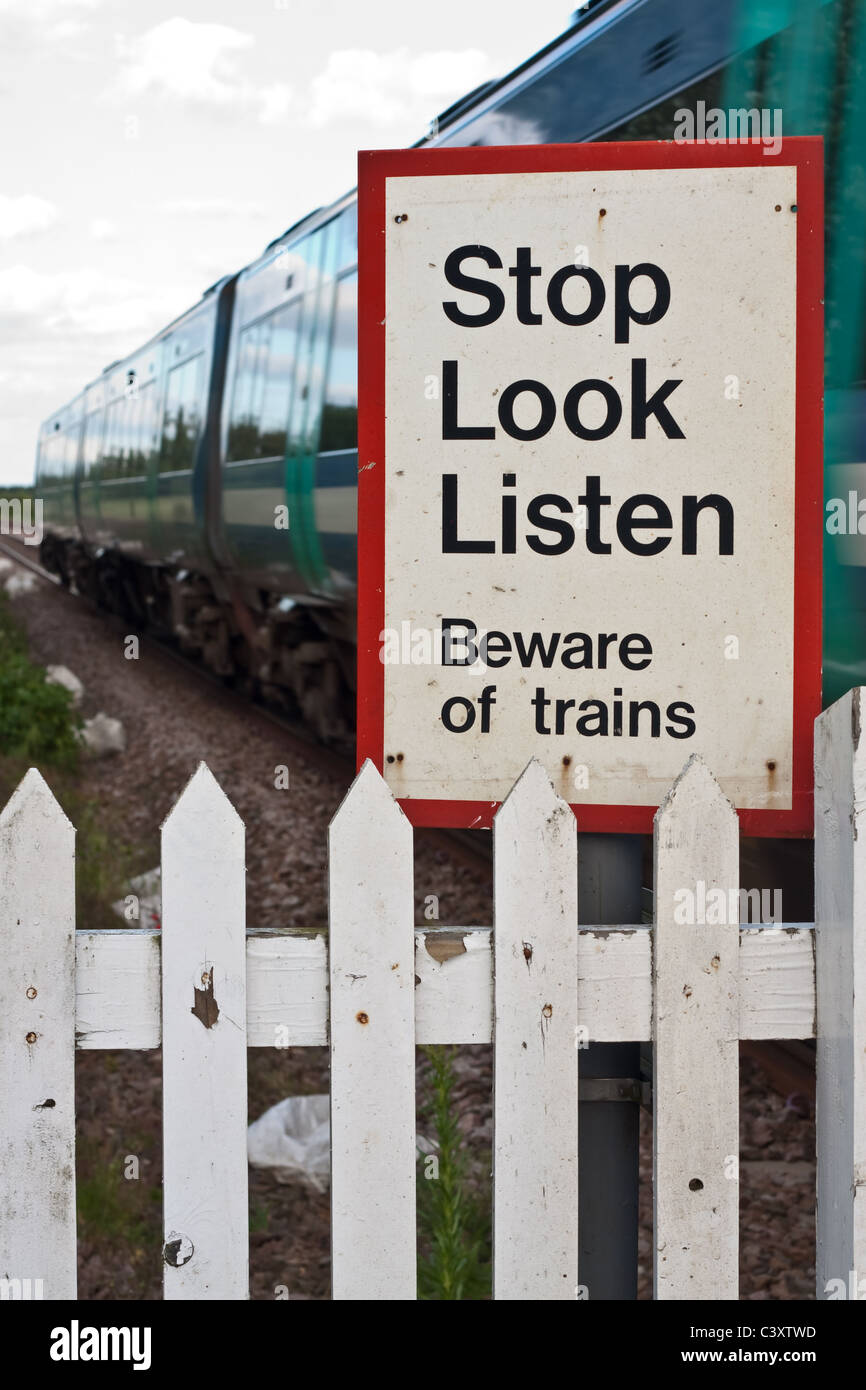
790,1067
471,848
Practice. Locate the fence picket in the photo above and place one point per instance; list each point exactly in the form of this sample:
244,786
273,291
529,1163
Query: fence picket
840,964
37,1045
696,1042
372,1027
204,1040
535,1043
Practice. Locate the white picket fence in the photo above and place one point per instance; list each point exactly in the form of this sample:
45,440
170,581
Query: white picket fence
205,989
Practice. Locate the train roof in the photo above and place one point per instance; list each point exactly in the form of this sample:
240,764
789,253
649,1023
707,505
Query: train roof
583,16
142,347
167,328
308,223
53,421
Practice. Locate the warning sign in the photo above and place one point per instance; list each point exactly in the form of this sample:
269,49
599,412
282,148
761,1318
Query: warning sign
590,475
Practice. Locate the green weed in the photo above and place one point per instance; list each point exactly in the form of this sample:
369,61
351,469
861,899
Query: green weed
453,1219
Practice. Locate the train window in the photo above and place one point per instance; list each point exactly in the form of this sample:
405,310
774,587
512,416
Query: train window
277,375
126,424
331,235
259,370
309,252
182,418
659,121
71,452
243,426
263,386
92,442
292,269
115,439
146,435
347,253
131,434
317,331
312,339
340,410
49,466
301,392
62,446
139,420
45,466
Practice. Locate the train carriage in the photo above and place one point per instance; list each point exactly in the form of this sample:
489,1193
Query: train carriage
207,482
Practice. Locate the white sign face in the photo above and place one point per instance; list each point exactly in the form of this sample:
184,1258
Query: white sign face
590,495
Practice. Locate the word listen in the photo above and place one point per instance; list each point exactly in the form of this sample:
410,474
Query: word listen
591,409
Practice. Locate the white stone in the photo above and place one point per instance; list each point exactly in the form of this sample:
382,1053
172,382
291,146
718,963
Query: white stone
61,675
21,582
103,736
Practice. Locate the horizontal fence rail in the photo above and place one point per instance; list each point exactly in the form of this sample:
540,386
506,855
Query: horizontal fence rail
205,988
118,985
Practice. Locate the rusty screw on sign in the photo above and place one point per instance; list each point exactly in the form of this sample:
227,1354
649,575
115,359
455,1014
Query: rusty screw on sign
31,993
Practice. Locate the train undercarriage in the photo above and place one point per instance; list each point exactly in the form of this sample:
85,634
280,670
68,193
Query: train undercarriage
297,654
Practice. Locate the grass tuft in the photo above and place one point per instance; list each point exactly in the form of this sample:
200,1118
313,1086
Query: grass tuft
454,1220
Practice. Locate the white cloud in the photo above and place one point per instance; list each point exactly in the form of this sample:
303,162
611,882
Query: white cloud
383,88
213,207
84,301
186,60
275,100
64,29
102,229
57,21
21,381
197,63
24,214
39,9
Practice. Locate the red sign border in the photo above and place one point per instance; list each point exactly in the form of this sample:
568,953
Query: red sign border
805,153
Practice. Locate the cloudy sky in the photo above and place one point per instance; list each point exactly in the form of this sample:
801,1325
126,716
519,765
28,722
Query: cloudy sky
149,149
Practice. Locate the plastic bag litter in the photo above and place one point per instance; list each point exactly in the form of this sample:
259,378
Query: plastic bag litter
142,905
293,1139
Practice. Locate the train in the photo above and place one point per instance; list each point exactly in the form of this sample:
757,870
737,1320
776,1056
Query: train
205,485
